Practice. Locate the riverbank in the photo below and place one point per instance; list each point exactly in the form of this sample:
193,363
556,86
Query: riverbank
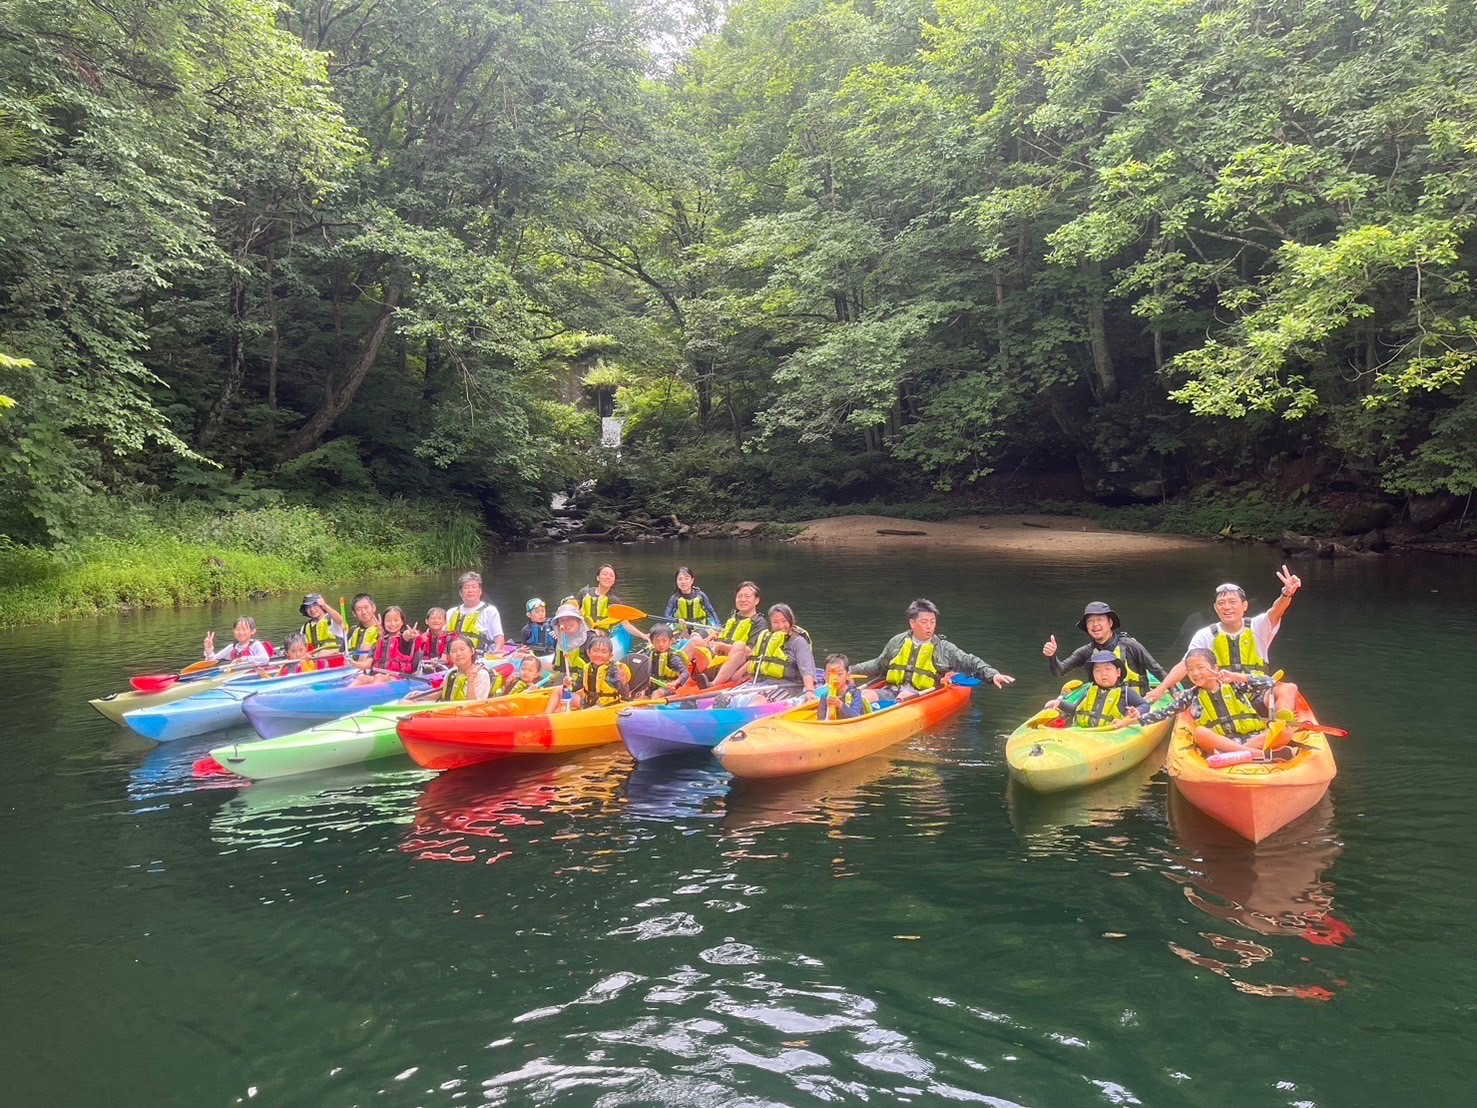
172,552
1044,535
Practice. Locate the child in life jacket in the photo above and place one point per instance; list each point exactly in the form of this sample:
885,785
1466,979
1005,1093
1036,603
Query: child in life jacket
668,666
838,697
246,649
394,654
604,680
530,676
431,644
538,632
1107,700
1223,706
298,659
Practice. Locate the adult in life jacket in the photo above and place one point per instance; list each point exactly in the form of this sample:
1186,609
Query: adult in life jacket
689,606
917,660
595,600
604,681
364,636
570,635
1104,629
1222,703
324,629
732,644
782,662
1241,645
1105,700
475,617
245,650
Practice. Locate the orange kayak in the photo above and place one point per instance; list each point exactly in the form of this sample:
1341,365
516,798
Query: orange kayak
1254,799
796,742
493,729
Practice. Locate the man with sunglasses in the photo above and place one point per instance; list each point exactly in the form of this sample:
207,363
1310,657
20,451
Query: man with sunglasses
1241,645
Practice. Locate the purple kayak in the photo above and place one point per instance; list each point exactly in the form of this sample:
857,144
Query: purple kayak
689,725
274,714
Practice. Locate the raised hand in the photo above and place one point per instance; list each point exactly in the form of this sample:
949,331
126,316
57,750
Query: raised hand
209,643
410,634
1291,582
1050,648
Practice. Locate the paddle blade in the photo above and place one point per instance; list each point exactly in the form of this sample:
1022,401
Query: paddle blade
964,682
208,767
199,667
625,613
153,682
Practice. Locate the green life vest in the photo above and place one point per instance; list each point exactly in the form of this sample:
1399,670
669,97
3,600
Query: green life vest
661,665
319,633
574,661
770,658
364,638
595,608
455,687
737,630
915,668
1228,712
469,624
1098,706
692,610
597,685
1238,652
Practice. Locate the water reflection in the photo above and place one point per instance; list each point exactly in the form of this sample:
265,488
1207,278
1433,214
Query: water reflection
674,789
315,807
1046,821
1276,888
168,769
480,813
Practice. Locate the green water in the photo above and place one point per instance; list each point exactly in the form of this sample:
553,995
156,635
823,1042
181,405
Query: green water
904,929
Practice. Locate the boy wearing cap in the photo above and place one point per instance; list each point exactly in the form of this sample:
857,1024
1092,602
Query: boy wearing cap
1105,700
325,627
1241,645
538,632
1104,628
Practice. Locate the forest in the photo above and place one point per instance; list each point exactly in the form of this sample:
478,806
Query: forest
315,256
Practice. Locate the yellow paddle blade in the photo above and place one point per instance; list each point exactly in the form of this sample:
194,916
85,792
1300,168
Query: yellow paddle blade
624,613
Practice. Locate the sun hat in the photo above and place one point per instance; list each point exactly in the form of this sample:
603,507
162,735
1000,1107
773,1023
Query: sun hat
1098,608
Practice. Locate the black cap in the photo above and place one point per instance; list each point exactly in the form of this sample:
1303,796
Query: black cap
309,600
1097,608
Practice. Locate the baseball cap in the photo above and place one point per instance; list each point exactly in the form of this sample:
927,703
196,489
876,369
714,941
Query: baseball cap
533,602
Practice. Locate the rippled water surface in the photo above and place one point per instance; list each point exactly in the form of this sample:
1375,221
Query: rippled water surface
904,929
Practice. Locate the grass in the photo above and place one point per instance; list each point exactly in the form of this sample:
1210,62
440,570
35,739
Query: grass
175,552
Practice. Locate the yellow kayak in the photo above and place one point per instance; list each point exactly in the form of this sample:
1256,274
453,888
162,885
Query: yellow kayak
1050,759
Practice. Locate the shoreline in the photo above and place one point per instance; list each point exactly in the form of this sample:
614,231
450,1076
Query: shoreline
1060,536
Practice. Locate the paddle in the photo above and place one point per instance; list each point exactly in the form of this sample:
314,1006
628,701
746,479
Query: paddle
158,682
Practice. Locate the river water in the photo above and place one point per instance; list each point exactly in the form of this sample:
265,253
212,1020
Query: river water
908,928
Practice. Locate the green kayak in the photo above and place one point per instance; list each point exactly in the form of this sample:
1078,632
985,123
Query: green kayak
361,737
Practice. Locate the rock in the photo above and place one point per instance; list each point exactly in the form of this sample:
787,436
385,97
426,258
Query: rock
1372,540
1363,516
1429,512
898,531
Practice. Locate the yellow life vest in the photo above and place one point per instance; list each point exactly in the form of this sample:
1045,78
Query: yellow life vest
595,608
521,686
1238,652
1228,712
770,658
737,630
468,623
910,668
1138,681
692,610
1099,706
597,685
573,660
455,687
661,665
363,638
303,665
319,633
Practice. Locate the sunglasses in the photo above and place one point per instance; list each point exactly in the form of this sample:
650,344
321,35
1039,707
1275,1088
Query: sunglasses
1237,589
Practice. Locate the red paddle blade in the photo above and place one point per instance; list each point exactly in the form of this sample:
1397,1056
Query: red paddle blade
208,767
153,682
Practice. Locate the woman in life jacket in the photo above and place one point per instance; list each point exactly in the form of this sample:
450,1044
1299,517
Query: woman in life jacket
570,635
732,643
594,603
246,650
689,607
783,662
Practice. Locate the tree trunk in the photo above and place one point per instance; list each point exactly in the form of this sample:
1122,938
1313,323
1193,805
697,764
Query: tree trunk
1104,377
235,366
703,371
337,398
275,342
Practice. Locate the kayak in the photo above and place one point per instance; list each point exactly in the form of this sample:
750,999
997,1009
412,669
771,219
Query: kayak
1050,759
274,713
501,728
115,704
690,725
365,736
796,742
212,709
1254,799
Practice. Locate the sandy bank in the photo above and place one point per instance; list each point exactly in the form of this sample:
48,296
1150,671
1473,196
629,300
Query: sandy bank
1055,536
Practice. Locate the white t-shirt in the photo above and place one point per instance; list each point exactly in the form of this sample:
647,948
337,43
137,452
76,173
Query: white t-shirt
489,623
1263,630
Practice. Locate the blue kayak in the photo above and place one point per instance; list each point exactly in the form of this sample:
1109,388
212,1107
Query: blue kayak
688,725
288,711
214,709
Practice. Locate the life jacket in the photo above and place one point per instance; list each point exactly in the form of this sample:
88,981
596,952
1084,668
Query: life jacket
468,623
520,686
1238,652
770,659
575,661
1228,712
738,630
691,609
539,636
1139,682
913,668
1099,706
363,638
243,650
847,701
595,608
433,646
455,685
597,686
388,655
662,668
319,633
302,665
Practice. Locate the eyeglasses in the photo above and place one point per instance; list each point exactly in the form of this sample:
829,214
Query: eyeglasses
1228,587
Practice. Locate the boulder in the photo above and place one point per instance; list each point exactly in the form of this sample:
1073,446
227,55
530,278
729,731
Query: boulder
1363,516
1429,512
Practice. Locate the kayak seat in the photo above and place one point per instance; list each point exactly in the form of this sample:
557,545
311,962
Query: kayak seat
885,704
